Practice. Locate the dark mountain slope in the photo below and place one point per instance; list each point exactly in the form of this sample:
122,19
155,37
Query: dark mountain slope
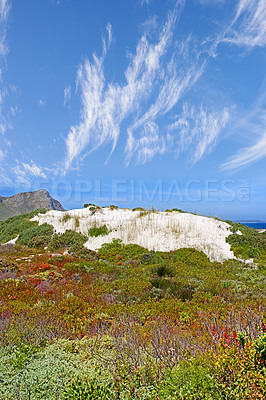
25,202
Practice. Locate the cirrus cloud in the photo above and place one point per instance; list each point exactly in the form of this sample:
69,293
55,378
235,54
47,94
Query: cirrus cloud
23,172
248,27
151,73
159,74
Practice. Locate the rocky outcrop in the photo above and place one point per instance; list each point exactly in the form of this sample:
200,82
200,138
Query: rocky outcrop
25,202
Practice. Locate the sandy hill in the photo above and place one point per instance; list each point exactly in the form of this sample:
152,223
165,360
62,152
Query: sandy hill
159,231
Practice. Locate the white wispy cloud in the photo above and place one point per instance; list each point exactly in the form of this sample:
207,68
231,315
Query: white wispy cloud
149,74
247,155
23,172
142,2
33,170
178,76
149,144
248,28
67,95
4,178
4,12
251,125
150,25
4,9
2,155
198,130
157,77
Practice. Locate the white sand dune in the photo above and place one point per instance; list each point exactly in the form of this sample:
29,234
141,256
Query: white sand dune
160,231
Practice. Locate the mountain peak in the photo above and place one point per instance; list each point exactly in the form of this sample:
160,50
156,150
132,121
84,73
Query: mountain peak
27,201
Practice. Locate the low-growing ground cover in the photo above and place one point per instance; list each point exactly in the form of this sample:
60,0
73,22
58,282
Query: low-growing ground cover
128,323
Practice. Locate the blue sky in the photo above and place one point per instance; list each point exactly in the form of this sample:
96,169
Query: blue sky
151,102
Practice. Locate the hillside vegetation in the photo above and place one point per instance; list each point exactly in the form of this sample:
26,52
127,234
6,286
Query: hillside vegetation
125,322
19,225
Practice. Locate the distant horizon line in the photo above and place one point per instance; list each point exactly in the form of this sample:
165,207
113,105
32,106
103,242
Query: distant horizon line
250,221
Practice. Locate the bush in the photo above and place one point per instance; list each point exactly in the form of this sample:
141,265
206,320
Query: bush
50,372
138,209
181,289
14,226
163,270
74,310
250,244
190,257
94,209
128,251
37,236
73,241
175,210
100,231
151,257
240,369
191,380
260,351
131,315
80,389
76,267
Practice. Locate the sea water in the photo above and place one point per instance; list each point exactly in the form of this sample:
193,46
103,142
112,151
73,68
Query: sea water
255,225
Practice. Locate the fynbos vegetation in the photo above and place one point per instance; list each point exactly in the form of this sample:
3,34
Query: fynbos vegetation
127,323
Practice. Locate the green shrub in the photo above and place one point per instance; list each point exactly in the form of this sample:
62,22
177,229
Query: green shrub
14,226
151,257
181,289
262,263
250,244
48,373
94,209
175,210
73,310
36,236
191,257
126,251
73,241
100,231
77,266
191,380
22,354
260,350
81,389
163,270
